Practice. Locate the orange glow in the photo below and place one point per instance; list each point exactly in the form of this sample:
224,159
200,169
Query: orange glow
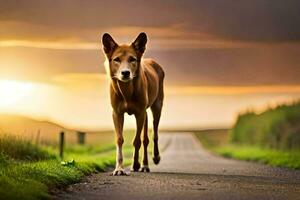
232,90
13,91
161,44
81,100
49,45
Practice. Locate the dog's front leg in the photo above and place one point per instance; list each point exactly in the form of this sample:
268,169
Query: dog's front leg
118,122
140,119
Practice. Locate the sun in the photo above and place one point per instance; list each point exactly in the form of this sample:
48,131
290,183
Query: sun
12,92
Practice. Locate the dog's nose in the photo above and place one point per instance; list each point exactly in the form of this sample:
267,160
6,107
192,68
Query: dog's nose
125,73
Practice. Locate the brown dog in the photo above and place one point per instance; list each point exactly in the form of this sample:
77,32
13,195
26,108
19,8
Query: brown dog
136,84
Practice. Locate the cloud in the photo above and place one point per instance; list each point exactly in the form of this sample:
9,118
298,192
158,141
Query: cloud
268,20
50,44
190,24
175,36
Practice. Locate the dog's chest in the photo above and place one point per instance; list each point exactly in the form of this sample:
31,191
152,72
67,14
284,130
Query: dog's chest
133,102
130,107
134,105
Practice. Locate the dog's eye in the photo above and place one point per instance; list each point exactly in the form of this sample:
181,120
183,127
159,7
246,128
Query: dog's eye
117,59
131,59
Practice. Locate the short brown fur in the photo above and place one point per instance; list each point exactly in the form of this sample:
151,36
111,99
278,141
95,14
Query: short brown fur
136,84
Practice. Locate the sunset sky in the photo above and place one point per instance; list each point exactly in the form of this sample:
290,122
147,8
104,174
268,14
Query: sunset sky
220,57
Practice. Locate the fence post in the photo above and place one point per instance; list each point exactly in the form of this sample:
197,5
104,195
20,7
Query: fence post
61,144
81,137
37,139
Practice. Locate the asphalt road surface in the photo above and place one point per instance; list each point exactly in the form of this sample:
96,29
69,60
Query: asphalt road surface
187,171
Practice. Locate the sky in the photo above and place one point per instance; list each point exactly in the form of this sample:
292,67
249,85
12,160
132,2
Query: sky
220,57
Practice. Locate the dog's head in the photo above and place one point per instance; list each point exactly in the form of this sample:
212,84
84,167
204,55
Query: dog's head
124,60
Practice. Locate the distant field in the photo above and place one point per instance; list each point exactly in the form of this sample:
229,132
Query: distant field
43,132
47,133
39,132
213,138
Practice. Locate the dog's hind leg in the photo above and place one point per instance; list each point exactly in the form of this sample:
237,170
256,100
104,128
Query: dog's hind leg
145,167
156,111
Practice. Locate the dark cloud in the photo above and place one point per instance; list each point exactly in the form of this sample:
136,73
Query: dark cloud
44,64
266,66
258,20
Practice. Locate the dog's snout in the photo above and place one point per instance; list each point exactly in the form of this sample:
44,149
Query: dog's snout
125,73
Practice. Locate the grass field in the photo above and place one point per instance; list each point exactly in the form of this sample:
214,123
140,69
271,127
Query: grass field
276,128
271,137
281,158
28,171
218,141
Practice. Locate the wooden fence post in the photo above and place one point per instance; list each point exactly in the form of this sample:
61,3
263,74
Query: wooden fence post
61,144
81,137
37,139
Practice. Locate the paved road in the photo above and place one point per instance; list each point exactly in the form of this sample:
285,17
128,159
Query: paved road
187,171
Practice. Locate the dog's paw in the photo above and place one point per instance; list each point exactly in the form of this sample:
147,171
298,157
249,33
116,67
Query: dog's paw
156,159
119,172
145,169
136,166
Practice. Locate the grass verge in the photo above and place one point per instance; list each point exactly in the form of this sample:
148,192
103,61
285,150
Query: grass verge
277,128
30,172
280,158
217,141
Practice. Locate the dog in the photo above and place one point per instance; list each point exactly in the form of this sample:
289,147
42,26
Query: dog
136,84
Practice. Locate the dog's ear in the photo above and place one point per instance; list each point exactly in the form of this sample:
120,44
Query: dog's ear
109,45
140,43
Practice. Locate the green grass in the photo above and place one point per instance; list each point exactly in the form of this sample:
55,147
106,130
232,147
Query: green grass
218,142
17,148
271,137
28,171
277,128
33,180
290,159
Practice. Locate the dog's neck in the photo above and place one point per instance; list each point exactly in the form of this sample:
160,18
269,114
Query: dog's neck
125,89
